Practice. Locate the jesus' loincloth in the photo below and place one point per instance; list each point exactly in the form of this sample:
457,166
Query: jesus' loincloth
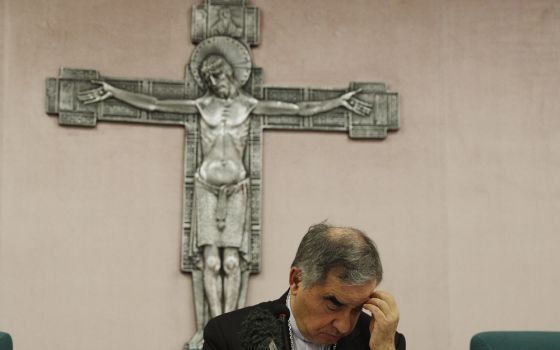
221,214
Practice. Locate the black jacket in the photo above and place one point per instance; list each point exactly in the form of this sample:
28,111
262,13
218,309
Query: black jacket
222,332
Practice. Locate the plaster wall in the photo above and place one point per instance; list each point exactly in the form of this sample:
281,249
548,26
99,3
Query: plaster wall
462,201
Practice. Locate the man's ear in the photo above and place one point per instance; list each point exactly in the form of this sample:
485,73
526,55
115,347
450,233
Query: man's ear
295,280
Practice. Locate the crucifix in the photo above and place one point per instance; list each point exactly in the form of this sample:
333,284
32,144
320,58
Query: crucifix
224,108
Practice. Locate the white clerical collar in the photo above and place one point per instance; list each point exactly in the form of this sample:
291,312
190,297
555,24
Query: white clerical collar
299,341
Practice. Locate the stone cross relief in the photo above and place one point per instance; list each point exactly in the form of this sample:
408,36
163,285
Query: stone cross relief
224,108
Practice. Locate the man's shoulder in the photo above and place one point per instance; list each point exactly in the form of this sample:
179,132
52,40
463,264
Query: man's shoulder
241,314
221,332
205,100
246,99
224,331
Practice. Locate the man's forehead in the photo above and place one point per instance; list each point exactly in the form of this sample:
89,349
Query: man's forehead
347,294
352,293
344,301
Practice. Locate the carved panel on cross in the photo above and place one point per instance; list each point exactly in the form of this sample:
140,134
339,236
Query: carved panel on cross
229,18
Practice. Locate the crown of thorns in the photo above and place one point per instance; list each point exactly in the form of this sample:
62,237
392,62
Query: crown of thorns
233,51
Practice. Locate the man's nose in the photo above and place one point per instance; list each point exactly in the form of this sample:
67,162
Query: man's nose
344,323
213,80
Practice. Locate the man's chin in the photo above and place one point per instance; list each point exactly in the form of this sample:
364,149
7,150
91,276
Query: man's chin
326,338
221,93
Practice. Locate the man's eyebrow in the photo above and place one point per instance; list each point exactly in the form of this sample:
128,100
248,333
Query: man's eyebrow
333,300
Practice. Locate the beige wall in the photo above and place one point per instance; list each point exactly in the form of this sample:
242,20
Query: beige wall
463,201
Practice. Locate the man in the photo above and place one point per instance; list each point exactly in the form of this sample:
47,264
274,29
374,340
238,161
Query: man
333,278
221,182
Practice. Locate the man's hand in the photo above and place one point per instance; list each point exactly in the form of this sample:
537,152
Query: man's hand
96,95
384,321
353,104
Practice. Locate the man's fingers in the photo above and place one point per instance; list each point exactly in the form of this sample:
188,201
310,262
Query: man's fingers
354,104
95,99
387,297
88,92
385,303
348,95
373,309
381,304
352,93
359,107
93,95
356,92
385,319
376,312
359,111
353,107
85,98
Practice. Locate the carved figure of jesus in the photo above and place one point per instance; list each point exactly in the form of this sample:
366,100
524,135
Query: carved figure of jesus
221,181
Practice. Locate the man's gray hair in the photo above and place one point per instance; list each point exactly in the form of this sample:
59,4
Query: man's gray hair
349,251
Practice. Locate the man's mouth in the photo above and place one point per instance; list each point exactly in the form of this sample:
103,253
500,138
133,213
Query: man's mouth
332,338
221,90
